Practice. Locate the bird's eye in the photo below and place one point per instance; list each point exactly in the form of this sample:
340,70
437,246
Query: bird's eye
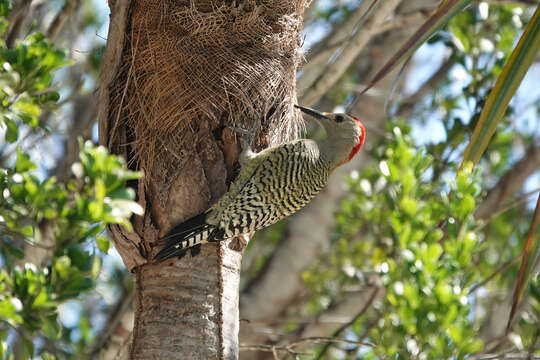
339,118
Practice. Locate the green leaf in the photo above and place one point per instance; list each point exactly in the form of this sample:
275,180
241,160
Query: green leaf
505,87
474,346
27,230
5,7
100,189
62,266
23,162
76,285
443,292
28,348
12,133
27,107
103,244
8,311
123,193
456,333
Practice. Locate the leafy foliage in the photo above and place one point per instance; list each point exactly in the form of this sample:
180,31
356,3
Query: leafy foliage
41,215
33,211
26,78
391,222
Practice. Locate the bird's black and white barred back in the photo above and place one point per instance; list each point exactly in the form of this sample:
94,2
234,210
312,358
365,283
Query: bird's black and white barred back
276,189
271,185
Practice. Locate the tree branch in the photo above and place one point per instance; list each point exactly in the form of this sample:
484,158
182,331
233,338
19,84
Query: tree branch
358,42
290,348
501,269
510,183
406,106
117,328
339,35
361,313
356,303
321,54
85,108
16,20
61,18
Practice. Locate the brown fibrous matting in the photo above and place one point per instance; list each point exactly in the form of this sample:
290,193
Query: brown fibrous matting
198,65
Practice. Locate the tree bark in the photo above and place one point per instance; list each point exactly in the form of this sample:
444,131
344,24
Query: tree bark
176,76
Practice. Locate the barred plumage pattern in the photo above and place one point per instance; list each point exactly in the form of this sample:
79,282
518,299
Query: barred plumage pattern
283,183
274,184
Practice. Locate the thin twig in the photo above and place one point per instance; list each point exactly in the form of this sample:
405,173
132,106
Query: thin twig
501,269
406,106
509,183
352,321
506,207
116,313
513,355
290,348
332,72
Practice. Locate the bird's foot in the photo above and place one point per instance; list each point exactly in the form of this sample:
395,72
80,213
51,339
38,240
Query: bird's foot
239,243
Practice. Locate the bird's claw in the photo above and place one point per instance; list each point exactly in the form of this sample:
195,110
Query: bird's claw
246,136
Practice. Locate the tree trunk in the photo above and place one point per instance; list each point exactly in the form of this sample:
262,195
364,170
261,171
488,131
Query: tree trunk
176,76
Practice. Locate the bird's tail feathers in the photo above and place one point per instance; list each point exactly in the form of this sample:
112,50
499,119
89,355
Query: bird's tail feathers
191,225
178,244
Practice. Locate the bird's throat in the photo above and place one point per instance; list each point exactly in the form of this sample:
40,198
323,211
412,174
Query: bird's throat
354,151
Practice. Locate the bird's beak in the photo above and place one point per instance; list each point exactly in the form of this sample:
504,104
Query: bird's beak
314,113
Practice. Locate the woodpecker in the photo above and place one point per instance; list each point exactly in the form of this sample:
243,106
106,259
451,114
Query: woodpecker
272,184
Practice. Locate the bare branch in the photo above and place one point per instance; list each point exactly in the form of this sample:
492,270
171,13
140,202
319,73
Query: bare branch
344,311
507,206
323,54
117,328
326,47
402,21
406,106
61,18
86,110
361,313
510,183
16,19
290,348
501,269
334,71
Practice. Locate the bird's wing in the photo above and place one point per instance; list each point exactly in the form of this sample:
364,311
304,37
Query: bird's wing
247,173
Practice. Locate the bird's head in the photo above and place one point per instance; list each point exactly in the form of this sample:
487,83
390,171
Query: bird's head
345,133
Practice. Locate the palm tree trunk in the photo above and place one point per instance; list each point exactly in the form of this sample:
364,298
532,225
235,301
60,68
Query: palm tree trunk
175,77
